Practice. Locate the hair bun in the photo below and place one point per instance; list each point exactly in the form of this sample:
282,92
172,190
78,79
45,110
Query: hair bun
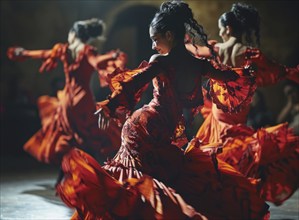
177,8
95,27
92,28
246,15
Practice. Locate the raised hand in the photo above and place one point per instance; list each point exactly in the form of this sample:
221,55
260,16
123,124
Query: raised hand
15,53
104,117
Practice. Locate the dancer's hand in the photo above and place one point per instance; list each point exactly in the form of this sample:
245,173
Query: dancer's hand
104,117
115,54
15,53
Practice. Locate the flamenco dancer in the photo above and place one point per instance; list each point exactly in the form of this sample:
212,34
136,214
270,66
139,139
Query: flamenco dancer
149,177
270,155
68,120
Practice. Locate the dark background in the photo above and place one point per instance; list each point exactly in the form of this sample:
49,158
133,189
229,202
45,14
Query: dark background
40,24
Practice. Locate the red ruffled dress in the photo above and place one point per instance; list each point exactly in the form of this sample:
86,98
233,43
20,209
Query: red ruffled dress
270,155
149,177
68,120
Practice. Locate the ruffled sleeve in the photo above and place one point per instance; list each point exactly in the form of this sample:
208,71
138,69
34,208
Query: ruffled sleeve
128,86
110,66
268,71
233,96
51,62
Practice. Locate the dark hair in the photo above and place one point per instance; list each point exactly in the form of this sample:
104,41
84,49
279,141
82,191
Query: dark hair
243,19
84,30
177,17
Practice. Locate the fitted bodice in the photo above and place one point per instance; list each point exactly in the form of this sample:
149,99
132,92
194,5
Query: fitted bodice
78,71
169,96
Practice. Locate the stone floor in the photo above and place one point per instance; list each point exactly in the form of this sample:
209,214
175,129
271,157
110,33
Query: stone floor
27,193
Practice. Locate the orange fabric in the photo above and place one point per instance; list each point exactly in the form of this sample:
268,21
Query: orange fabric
269,154
248,150
208,183
228,96
52,62
272,155
126,103
217,122
269,72
169,183
112,65
96,195
233,96
68,121
117,78
205,109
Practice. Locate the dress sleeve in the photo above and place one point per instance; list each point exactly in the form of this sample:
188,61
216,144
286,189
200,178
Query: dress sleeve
106,63
21,54
231,89
101,61
269,72
233,96
127,86
117,64
51,61
217,71
49,56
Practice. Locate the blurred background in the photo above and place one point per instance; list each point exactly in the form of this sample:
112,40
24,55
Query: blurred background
41,24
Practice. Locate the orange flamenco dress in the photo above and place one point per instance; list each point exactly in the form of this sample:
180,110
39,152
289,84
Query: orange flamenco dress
68,120
270,155
149,177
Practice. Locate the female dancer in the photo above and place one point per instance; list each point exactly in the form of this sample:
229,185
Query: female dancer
268,154
150,178
68,121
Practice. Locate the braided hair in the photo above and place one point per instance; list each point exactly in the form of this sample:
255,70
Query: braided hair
243,19
85,30
177,17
